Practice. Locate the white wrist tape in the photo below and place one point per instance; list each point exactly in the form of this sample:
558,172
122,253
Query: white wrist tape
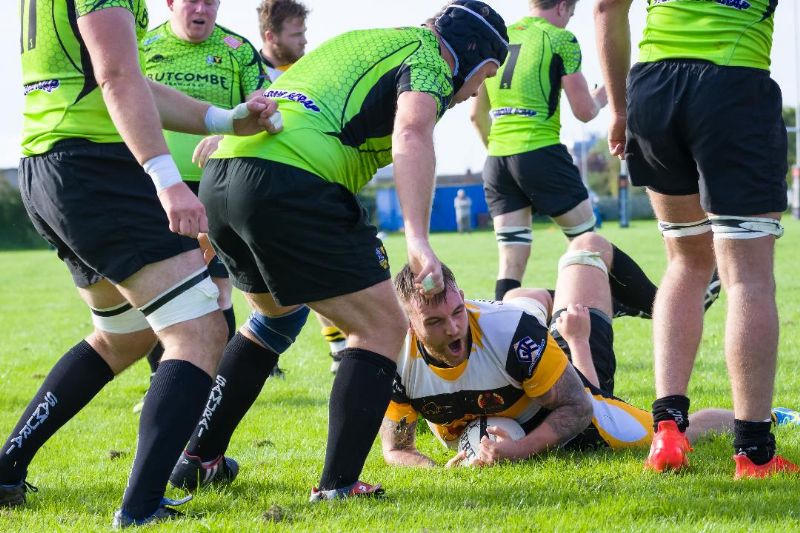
220,121
163,171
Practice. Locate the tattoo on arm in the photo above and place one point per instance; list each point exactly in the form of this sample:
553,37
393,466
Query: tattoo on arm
571,409
398,435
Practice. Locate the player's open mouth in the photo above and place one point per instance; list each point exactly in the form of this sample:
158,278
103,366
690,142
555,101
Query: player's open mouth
455,347
199,21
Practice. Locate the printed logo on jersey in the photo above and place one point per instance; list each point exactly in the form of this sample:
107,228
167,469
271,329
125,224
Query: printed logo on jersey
150,40
233,42
383,259
189,77
505,111
528,351
157,58
47,86
490,401
300,98
213,60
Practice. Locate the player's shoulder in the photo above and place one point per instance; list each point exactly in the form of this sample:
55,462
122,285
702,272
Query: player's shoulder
157,34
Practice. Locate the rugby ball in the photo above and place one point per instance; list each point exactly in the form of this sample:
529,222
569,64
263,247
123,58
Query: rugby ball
470,440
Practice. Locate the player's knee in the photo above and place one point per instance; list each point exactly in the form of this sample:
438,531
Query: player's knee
513,236
278,332
582,257
191,298
744,227
587,226
120,350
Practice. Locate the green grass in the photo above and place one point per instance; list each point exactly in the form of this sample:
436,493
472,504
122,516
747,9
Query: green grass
280,444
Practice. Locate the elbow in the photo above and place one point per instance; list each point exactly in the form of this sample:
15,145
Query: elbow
586,114
603,6
108,79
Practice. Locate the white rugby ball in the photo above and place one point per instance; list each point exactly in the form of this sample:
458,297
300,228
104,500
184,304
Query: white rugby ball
470,440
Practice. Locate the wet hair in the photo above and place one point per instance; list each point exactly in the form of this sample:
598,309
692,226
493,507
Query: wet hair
408,293
549,4
273,13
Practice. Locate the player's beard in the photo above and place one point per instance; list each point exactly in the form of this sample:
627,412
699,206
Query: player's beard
285,55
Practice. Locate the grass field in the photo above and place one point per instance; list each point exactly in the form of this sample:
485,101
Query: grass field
81,472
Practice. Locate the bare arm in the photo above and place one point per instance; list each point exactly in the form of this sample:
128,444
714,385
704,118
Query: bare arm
414,174
479,115
110,38
398,444
585,104
571,413
613,35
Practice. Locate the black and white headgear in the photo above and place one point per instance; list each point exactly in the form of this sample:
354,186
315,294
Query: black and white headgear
475,34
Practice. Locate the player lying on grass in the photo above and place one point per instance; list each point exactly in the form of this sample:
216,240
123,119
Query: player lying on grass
466,358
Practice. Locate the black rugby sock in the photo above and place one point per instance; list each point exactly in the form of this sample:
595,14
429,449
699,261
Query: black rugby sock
154,357
171,410
629,284
502,286
244,368
671,408
230,319
75,379
754,440
359,398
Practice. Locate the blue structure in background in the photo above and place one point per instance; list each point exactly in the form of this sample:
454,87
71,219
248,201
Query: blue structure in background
443,215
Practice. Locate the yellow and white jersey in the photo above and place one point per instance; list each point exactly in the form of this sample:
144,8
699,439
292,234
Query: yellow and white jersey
512,361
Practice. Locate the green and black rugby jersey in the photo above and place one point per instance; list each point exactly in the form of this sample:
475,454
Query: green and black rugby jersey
339,101
725,32
222,70
525,95
62,99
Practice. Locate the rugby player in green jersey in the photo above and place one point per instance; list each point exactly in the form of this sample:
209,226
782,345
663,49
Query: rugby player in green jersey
518,117
194,55
285,220
701,128
92,121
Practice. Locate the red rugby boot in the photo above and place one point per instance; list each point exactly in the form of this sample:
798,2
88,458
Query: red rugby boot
669,448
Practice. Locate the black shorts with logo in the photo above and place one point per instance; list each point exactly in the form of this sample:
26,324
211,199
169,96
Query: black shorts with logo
95,204
696,127
215,267
544,179
286,231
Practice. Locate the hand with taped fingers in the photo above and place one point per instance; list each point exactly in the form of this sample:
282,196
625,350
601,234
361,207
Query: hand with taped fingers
185,212
254,117
426,266
574,323
205,149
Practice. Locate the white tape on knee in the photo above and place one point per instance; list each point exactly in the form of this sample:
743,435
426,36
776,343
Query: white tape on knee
122,318
193,297
734,227
513,235
582,257
573,231
684,229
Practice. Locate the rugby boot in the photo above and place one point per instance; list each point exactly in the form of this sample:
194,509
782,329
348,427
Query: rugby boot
746,468
14,495
122,520
191,472
783,416
359,488
669,448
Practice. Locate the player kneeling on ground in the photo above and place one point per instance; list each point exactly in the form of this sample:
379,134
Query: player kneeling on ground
465,358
